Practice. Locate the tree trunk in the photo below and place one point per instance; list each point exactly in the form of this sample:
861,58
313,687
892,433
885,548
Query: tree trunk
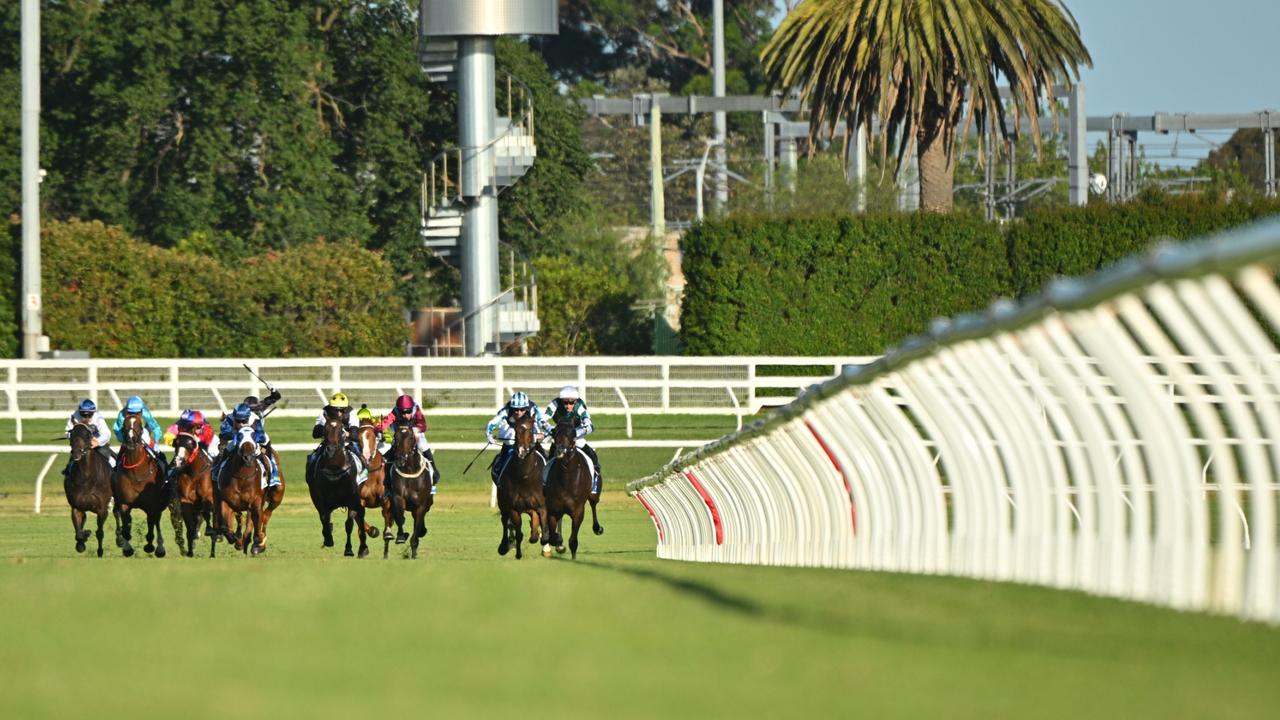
937,162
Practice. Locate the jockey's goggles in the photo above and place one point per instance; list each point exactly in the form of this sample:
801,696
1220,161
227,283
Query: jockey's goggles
85,414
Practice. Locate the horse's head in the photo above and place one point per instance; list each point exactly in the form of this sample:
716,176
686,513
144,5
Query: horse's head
131,431
405,444
367,438
246,448
523,427
184,449
81,441
565,437
335,436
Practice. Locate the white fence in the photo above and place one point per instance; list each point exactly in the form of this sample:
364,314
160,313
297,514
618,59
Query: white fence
1117,436
446,386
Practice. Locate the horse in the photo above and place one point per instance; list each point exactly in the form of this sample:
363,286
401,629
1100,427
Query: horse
88,485
331,477
192,470
568,487
520,491
372,490
136,482
240,489
409,485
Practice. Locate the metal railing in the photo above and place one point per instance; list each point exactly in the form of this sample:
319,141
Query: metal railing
522,288
1118,435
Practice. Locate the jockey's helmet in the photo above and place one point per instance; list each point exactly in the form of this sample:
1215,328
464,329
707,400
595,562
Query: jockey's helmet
187,417
405,405
134,404
519,400
251,400
364,413
241,413
197,417
87,408
339,400
569,392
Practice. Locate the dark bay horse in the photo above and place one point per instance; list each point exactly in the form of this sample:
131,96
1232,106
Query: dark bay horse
240,490
520,491
568,487
331,477
88,485
192,470
372,491
136,482
409,484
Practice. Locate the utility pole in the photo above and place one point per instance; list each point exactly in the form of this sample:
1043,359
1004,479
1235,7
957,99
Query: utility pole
657,204
31,319
717,89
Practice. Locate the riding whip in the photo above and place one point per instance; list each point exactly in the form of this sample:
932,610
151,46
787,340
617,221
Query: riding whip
477,457
259,377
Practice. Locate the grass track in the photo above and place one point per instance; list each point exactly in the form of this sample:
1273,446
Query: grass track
304,632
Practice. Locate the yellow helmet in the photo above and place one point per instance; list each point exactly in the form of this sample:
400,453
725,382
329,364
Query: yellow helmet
339,400
364,413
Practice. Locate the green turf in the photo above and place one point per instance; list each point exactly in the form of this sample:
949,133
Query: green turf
304,632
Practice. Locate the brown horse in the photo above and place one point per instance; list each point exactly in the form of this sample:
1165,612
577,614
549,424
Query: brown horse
192,470
136,482
239,490
331,477
409,485
88,485
520,491
568,487
372,491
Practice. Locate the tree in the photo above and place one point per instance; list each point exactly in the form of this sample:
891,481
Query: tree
928,69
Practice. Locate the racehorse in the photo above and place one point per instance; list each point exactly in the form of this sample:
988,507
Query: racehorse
331,477
372,490
240,489
409,484
136,482
192,470
88,485
520,491
568,487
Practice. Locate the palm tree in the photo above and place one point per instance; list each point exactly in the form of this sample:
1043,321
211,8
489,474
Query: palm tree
927,68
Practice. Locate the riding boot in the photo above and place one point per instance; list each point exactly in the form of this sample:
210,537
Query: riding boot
597,482
435,469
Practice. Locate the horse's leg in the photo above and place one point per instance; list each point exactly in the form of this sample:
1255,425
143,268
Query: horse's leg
102,520
517,525
419,527
126,530
326,527
397,505
596,527
157,519
577,514
150,547
259,529
77,523
364,536
348,552
189,520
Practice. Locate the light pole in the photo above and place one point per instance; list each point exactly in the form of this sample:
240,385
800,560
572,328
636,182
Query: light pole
31,325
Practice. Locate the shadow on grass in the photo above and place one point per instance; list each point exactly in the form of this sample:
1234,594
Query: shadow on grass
701,590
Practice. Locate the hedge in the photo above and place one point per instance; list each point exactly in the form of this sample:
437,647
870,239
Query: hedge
858,284
115,296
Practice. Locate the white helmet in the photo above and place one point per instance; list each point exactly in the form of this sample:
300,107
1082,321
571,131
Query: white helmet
569,392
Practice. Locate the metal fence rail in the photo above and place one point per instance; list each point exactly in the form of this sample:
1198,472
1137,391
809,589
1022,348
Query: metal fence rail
1119,435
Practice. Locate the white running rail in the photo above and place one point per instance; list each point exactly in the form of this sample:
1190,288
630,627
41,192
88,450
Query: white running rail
1118,435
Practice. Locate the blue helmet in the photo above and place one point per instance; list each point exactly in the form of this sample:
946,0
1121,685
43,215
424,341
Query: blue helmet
134,404
87,407
241,412
187,417
519,400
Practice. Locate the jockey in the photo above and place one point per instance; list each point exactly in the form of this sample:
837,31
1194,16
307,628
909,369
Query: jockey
87,414
570,404
150,429
503,424
193,423
244,417
407,412
339,407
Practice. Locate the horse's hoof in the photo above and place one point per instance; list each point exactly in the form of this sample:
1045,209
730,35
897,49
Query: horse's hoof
79,547
348,552
503,549
128,551
413,555
546,551
82,536
119,541
364,552
535,539
160,551
401,537
99,552
388,535
598,529
560,549
258,549
328,542
148,548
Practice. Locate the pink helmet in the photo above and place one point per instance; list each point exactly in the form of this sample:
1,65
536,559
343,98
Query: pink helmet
405,404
